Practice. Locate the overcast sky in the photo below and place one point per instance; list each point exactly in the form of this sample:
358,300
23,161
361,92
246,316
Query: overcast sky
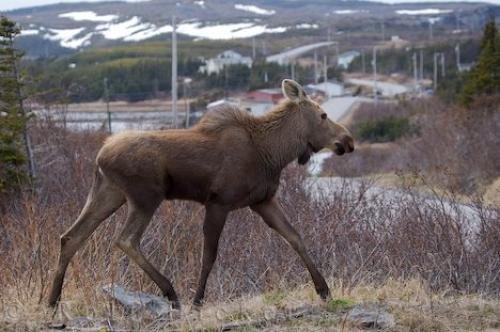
14,4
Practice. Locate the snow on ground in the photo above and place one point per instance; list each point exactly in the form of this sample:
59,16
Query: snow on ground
149,33
427,11
29,32
123,29
80,42
315,164
349,11
225,31
200,3
88,16
134,29
306,26
65,37
254,9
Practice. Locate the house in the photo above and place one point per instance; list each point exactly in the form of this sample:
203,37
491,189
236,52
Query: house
226,58
272,96
345,59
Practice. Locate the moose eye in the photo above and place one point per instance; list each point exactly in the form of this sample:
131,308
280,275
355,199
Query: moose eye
324,116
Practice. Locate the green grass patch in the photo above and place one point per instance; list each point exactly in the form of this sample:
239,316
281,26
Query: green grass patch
339,305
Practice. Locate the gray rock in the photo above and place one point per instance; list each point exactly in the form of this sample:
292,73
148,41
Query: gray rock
138,301
370,317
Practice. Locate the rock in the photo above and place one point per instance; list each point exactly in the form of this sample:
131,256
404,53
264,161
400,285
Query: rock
370,317
138,301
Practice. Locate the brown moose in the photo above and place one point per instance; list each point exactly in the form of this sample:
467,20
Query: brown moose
229,160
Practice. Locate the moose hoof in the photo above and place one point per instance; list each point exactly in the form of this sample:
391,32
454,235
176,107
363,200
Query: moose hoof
323,293
176,305
197,303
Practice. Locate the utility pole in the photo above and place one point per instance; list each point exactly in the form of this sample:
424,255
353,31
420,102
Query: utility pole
375,92
185,87
363,69
443,71
174,72
415,70
254,53
435,71
106,97
421,64
457,52
292,65
315,67
325,69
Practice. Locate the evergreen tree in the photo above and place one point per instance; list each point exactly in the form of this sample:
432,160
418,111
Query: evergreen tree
12,117
484,78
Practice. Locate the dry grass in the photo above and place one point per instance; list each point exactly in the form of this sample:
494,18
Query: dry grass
455,149
413,305
370,249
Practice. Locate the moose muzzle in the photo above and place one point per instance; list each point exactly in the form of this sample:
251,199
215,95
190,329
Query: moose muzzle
344,144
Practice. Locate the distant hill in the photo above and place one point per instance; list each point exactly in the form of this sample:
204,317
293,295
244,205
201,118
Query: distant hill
64,28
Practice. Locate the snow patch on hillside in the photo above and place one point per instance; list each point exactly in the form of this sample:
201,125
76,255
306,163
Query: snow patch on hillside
427,11
29,32
254,9
306,26
88,16
200,3
133,30
122,30
226,31
346,11
65,37
149,33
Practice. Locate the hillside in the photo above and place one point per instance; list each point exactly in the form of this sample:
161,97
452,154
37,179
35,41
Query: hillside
65,28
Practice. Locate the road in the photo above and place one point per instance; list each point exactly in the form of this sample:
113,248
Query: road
320,188
338,107
385,88
286,56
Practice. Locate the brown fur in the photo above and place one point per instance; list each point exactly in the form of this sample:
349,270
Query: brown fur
229,160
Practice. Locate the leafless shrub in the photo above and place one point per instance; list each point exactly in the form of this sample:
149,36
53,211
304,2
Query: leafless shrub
356,232
456,148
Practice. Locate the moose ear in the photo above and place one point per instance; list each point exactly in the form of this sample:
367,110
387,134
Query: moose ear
293,90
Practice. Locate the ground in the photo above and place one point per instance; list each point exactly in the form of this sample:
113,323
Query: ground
412,305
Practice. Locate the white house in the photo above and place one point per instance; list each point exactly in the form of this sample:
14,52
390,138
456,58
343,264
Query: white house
346,58
226,58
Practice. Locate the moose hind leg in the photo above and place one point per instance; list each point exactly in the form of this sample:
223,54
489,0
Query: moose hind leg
129,242
104,199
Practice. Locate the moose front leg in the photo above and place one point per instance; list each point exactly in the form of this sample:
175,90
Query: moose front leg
215,218
274,217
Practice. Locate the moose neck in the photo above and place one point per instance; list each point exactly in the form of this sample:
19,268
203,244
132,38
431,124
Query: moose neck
281,137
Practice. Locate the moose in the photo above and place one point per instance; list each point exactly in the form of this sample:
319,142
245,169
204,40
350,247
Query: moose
229,160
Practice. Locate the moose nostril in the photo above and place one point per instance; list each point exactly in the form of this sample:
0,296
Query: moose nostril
339,148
